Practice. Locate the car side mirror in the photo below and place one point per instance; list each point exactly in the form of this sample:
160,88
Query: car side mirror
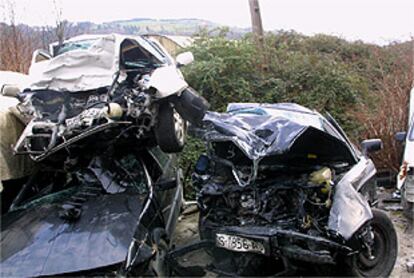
10,90
184,59
371,145
400,136
40,55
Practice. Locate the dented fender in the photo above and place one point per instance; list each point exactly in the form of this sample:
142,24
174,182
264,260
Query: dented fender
349,209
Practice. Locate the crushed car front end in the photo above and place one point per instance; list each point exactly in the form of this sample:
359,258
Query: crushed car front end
278,190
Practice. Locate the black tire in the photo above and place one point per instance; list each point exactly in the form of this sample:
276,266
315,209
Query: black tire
169,131
408,207
384,250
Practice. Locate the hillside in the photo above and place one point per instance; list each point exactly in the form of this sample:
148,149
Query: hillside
140,26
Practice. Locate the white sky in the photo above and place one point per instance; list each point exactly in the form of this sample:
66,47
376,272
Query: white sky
377,21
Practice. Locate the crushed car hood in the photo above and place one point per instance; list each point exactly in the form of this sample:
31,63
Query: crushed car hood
37,242
262,130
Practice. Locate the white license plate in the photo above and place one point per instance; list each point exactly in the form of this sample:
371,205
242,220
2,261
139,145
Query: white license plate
239,244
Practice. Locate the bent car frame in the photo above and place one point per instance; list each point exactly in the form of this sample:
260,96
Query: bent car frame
282,187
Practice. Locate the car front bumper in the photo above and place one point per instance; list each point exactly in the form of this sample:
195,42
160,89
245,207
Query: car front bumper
288,243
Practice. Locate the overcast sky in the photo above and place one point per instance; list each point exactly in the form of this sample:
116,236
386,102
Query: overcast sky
377,21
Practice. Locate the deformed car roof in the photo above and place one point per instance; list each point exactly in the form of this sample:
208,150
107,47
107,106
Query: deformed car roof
89,67
263,130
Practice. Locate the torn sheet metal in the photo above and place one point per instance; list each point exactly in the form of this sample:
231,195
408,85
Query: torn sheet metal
349,209
261,130
90,66
78,70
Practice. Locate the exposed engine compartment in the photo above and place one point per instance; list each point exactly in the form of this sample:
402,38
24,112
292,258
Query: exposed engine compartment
59,116
299,201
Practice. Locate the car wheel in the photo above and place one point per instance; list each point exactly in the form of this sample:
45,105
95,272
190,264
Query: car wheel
380,261
170,130
408,207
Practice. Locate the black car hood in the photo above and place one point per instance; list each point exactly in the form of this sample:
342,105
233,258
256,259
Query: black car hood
37,242
285,129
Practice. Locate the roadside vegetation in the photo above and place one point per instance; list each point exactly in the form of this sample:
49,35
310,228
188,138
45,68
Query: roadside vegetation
364,86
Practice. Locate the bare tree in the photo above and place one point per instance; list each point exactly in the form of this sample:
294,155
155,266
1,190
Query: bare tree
16,42
391,106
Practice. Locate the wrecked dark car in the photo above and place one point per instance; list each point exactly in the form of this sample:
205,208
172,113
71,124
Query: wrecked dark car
105,116
282,188
115,214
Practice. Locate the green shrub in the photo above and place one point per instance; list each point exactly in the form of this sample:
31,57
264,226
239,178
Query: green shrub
322,72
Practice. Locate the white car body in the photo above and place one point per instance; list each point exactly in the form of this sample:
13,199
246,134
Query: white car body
128,73
95,66
408,156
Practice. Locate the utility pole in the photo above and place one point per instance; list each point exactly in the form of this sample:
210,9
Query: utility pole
257,26
257,29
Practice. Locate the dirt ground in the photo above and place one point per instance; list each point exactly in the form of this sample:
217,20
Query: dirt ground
187,232
405,233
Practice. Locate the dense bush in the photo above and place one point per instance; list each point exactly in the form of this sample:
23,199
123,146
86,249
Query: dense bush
290,69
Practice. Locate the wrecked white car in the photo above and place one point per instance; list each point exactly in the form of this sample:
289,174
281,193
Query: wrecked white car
90,83
282,188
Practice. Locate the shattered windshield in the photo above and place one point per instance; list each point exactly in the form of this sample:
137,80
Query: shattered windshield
139,54
70,46
105,174
154,50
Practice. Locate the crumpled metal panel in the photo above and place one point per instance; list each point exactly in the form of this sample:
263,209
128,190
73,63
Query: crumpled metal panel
38,242
86,69
349,209
261,130
78,70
